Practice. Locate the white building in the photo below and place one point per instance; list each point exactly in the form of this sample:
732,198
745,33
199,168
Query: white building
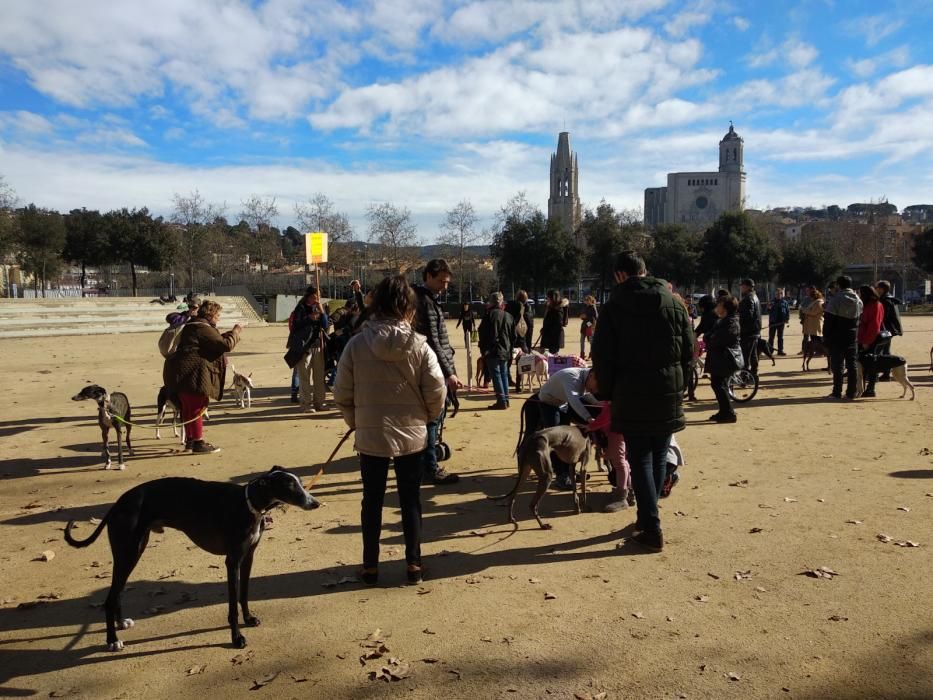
698,199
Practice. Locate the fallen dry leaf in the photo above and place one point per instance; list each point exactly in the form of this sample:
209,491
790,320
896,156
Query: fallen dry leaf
743,575
242,658
907,543
265,681
430,660
195,670
741,484
821,572
712,575
701,598
838,618
761,589
755,530
788,499
733,676
638,615
47,555
881,537
904,508
427,631
549,596
534,580
853,522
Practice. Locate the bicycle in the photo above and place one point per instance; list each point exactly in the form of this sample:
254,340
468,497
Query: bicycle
742,385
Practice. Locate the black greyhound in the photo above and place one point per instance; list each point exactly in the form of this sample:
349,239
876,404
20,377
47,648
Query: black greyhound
221,518
113,411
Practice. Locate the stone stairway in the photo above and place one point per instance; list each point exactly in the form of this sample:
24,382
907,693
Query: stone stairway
25,318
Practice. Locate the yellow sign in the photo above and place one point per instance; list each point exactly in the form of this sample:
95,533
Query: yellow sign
316,248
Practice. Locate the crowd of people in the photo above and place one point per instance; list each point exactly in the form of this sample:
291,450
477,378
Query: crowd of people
395,373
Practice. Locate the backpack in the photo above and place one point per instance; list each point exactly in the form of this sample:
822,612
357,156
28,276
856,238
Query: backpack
168,341
521,325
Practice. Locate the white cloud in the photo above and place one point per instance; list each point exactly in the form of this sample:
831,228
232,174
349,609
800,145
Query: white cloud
522,86
741,23
28,123
685,21
797,53
874,28
867,67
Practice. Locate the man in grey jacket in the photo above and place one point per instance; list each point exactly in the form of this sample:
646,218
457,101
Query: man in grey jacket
429,321
840,332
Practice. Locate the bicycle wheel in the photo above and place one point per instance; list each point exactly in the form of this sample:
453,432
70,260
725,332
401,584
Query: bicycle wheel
742,386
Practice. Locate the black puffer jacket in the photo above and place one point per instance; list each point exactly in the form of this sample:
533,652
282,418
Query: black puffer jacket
641,351
721,341
750,315
497,334
892,316
429,322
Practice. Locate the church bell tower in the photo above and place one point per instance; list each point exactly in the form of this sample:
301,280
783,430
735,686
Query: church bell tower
564,202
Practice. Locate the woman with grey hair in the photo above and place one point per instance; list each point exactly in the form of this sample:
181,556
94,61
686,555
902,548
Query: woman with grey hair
496,339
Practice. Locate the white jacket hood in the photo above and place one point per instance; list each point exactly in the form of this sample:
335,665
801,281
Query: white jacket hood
391,340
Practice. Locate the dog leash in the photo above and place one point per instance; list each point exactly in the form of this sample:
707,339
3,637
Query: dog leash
320,472
140,425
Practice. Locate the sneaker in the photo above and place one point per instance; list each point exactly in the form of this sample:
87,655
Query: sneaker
563,483
188,445
442,477
728,418
630,497
669,483
415,574
652,541
201,447
614,506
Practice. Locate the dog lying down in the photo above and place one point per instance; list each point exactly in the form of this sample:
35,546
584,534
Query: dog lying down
220,517
571,445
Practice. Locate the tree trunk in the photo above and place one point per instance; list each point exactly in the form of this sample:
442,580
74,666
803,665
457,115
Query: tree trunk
133,275
43,280
83,276
460,278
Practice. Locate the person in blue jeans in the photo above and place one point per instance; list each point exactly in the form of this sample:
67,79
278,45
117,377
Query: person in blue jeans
429,322
642,352
496,340
778,318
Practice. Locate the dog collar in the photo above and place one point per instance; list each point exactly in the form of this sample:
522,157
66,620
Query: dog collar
249,505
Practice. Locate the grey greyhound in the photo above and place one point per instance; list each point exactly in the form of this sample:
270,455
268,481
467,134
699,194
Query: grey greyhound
572,446
113,411
220,517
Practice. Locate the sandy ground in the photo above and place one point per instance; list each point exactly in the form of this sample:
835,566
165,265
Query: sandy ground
797,484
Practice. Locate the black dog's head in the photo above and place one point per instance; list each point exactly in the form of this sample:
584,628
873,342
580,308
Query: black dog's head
281,486
91,392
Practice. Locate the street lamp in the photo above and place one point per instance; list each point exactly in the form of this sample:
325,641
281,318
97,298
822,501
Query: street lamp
171,288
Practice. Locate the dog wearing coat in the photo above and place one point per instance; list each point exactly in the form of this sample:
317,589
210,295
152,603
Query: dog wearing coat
220,517
571,445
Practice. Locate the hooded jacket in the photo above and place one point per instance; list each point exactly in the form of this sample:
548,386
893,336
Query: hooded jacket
892,315
497,334
389,386
840,318
552,326
722,341
641,351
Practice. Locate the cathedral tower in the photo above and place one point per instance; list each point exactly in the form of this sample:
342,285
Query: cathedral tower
564,202
730,152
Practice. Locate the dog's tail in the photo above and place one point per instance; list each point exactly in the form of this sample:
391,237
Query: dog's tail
90,540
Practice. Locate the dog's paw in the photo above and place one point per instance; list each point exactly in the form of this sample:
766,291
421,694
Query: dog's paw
125,623
239,642
121,466
107,465
251,621
115,646
547,526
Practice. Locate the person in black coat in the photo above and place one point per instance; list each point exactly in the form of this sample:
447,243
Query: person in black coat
892,320
556,317
496,339
724,355
468,320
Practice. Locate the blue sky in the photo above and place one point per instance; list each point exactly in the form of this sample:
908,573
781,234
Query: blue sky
425,103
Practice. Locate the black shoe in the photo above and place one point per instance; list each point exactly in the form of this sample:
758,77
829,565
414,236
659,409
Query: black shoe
715,416
294,398
442,477
203,448
884,378
782,353
834,396
868,394
728,418
652,541
498,406
415,574
369,575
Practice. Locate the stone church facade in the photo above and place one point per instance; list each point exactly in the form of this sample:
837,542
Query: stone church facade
563,204
698,199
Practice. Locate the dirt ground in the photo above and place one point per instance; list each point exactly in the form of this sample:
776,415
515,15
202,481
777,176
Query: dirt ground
725,611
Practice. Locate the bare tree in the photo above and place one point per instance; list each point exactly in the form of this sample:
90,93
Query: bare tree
8,201
518,207
194,215
319,214
391,227
258,212
458,233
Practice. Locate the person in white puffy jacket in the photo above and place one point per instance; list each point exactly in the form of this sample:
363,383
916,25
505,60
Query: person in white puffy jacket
389,386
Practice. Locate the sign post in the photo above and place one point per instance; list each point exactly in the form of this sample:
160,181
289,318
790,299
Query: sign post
316,253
